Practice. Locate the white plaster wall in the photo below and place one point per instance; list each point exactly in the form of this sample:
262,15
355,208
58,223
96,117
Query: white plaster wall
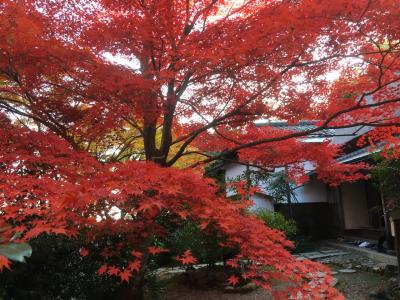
262,202
355,210
232,171
312,192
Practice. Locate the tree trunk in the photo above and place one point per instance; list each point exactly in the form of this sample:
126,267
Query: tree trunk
138,281
386,219
137,290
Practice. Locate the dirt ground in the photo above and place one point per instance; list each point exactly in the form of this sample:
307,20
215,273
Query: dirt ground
355,286
187,294
358,286
176,290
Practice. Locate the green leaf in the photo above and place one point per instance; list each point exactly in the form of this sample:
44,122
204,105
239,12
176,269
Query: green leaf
16,251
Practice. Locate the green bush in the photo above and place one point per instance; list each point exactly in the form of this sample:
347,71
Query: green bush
385,174
277,221
56,271
204,244
181,235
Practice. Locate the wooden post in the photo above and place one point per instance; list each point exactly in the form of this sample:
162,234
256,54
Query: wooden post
248,181
288,192
397,241
396,220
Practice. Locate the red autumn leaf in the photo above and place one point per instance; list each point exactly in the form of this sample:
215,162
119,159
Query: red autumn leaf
203,225
187,258
156,250
106,252
59,231
137,254
37,230
134,265
83,252
183,214
102,270
233,280
233,263
112,270
125,275
148,205
4,263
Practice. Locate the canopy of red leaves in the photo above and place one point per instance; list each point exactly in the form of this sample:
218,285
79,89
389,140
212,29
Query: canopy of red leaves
64,191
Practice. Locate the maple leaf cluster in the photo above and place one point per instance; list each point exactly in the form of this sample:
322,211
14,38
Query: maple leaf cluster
187,258
67,192
196,74
295,154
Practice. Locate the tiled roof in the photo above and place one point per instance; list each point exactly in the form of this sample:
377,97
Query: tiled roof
359,155
355,155
300,126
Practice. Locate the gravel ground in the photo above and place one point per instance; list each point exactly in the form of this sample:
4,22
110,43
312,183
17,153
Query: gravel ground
358,286
176,288
354,286
185,293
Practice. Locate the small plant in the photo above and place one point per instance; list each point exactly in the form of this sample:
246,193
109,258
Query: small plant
204,244
385,174
277,221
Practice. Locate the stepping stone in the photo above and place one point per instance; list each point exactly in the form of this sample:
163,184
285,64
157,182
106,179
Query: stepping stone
307,254
317,256
335,253
347,271
323,254
176,271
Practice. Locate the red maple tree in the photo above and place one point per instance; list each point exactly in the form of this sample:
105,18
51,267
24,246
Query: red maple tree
99,98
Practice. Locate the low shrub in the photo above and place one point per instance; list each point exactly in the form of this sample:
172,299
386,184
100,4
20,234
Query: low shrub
277,221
